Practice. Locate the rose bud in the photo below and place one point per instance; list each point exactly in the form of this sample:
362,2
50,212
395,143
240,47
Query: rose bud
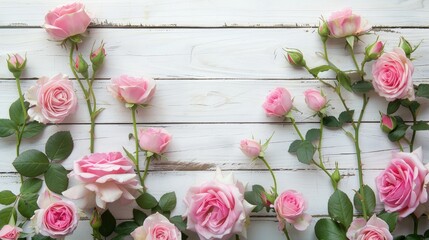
95,221
295,57
387,123
336,176
374,51
278,103
251,148
16,64
406,46
97,57
315,100
81,66
323,30
154,140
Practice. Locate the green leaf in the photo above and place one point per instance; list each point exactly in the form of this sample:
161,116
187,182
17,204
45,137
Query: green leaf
168,201
41,237
390,218
340,208
31,185
126,228
130,156
6,214
423,90
294,146
56,178
312,134
346,117
15,112
32,129
254,198
7,197
7,127
146,201
179,223
305,152
398,133
139,216
323,68
420,126
412,105
331,121
326,229
344,81
119,237
393,106
31,163
414,237
59,146
368,197
27,204
108,223
362,87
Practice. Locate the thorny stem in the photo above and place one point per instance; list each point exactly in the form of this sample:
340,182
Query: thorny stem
136,139
20,132
272,174
354,61
146,169
297,129
87,98
413,137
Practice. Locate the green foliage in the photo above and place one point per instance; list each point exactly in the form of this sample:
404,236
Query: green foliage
31,163
7,127
59,146
168,201
327,229
340,208
7,197
27,204
56,178
146,201
368,197
108,223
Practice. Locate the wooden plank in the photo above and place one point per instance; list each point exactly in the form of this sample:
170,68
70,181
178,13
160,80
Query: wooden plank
207,146
219,13
210,101
200,53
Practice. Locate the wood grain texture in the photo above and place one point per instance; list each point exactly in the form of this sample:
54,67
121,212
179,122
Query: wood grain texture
219,13
200,53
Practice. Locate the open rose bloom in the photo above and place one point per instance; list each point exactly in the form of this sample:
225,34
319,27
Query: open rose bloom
216,209
374,229
132,90
155,227
66,21
51,99
392,76
154,140
290,207
9,232
103,178
278,103
402,186
56,218
344,23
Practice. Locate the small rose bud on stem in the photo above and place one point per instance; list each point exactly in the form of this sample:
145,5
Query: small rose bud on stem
295,57
97,57
387,123
323,30
16,64
407,47
81,66
374,51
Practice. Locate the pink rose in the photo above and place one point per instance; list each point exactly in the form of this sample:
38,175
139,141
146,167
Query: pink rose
392,76
250,148
315,100
66,21
16,61
157,227
56,218
216,209
374,51
154,140
387,123
133,90
9,232
374,229
51,99
278,103
103,178
401,187
290,206
344,23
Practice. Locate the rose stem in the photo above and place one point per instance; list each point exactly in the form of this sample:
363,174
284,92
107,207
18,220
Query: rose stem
237,237
286,233
146,169
20,132
87,99
414,131
272,174
416,223
136,139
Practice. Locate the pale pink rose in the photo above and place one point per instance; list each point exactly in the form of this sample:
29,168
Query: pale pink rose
374,229
250,148
56,218
51,99
344,23
401,186
315,100
392,76
66,21
9,232
103,178
290,206
154,140
216,209
157,227
132,90
278,103
387,123
16,60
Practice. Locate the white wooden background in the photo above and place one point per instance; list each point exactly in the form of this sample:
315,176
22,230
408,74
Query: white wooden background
214,61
